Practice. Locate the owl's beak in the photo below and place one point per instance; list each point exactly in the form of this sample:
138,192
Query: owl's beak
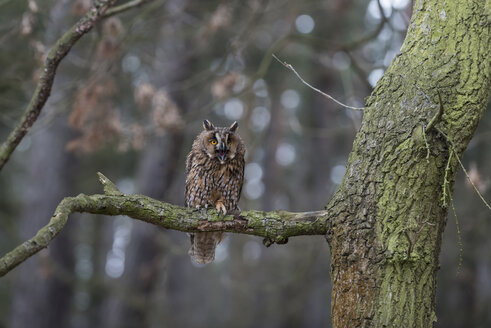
222,152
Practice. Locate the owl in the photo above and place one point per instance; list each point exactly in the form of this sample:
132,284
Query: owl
214,177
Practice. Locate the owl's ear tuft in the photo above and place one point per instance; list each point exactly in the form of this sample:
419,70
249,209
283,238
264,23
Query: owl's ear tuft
207,125
234,126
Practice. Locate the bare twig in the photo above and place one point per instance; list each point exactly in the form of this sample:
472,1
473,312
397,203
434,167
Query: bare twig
348,46
459,235
125,7
362,75
279,43
100,9
438,115
445,180
383,20
43,89
275,226
452,151
435,119
472,183
290,67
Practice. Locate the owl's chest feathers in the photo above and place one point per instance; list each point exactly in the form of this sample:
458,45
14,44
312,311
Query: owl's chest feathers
208,181
213,172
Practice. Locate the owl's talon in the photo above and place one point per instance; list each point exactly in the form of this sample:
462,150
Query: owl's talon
221,208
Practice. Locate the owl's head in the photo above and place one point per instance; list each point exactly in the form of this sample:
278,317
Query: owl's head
220,143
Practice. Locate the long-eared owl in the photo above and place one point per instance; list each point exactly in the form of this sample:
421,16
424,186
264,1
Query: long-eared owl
214,177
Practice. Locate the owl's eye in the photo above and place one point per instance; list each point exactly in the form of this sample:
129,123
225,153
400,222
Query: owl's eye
213,142
229,143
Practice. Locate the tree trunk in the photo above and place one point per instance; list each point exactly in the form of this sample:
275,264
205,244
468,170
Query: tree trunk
386,241
145,257
39,287
156,174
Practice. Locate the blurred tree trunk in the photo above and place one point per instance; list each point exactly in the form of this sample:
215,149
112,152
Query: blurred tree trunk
392,204
270,164
144,266
157,171
41,293
42,285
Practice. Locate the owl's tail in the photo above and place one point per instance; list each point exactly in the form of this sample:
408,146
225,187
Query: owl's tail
203,245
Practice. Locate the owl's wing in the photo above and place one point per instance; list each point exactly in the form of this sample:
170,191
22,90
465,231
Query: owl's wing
188,179
189,161
241,178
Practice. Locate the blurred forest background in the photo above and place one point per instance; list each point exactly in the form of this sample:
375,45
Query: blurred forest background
128,101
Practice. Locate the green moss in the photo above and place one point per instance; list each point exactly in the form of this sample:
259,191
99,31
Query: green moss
408,207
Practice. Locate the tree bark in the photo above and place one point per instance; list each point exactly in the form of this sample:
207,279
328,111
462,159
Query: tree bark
386,242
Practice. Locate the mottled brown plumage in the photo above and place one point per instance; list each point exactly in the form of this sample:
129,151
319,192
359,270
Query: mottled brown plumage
214,177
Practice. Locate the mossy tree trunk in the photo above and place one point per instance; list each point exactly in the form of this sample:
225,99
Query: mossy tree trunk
385,242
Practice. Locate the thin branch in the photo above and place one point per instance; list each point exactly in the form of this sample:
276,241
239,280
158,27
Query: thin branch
459,235
125,7
43,89
446,181
438,115
275,226
453,151
290,67
279,43
436,118
383,20
100,9
362,75
348,46
472,182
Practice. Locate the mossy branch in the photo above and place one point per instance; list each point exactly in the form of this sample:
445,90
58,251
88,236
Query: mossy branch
275,226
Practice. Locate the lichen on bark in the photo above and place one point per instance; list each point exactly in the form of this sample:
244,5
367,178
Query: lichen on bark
388,243
275,226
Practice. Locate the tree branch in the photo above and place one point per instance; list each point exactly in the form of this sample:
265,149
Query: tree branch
275,226
125,7
100,9
291,68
